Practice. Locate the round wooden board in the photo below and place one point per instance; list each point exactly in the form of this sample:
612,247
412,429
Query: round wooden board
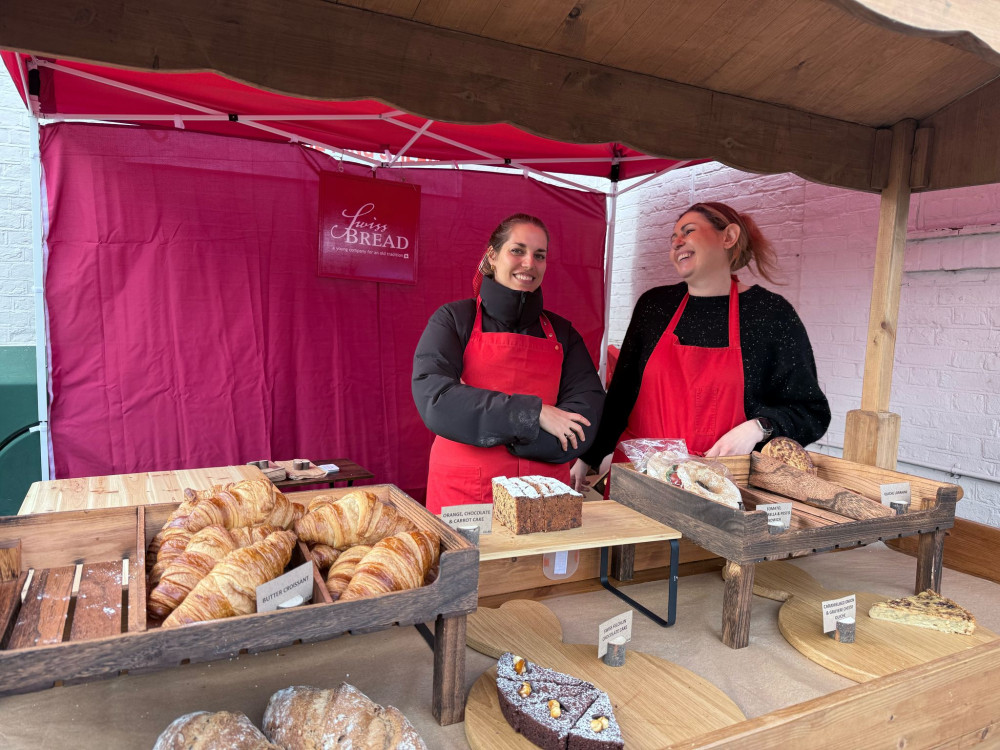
656,702
880,647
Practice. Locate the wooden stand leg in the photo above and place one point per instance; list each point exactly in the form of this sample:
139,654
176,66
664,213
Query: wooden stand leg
930,559
448,703
736,603
623,562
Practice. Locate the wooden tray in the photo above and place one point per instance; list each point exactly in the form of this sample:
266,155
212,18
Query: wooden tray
98,628
741,536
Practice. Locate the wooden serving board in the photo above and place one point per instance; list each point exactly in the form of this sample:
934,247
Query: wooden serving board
880,647
655,701
124,490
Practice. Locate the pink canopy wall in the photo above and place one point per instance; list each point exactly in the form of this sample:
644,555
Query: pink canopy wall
188,326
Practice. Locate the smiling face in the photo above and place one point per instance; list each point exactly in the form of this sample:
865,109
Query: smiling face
519,264
699,251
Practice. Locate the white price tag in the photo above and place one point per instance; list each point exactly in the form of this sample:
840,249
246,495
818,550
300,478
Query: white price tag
559,565
895,493
781,512
837,608
330,468
297,582
619,626
477,514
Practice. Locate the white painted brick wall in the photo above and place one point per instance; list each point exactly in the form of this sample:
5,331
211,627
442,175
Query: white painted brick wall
946,381
17,316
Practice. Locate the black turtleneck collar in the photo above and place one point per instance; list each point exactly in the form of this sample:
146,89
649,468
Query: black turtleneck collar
512,310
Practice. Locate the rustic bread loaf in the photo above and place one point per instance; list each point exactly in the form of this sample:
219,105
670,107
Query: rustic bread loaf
202,730
309,718
789,452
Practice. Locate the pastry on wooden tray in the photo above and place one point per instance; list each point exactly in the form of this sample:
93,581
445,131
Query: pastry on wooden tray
310,718
694,476
531,504
555,710
789,452
202,730
358,517
926,610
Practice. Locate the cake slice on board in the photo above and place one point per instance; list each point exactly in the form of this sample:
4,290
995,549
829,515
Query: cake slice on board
926,610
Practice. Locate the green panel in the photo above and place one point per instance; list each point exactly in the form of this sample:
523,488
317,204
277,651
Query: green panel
20,462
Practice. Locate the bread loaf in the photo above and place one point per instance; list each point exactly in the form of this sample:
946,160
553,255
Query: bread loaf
202,730
309,718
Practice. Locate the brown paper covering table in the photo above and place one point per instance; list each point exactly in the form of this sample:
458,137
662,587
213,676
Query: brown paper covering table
605,524
742,536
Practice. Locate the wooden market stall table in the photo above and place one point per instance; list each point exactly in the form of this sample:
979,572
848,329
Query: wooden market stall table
123,490
606,524
349,472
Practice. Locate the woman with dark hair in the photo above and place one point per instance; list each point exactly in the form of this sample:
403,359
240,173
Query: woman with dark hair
723,365
508,388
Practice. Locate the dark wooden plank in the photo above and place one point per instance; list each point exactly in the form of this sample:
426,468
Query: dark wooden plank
98,611
448,701
349,472
623,562
137,575
42,619
736,603
10,605
930,558
770,474
10,560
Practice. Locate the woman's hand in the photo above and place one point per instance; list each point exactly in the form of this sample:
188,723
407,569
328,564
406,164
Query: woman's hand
738,441
578,474
567,426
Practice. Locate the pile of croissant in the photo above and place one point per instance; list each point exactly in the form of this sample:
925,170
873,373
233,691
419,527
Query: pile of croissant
220,544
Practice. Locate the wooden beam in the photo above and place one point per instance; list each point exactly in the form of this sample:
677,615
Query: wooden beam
890,244
874,438
966,148
323,50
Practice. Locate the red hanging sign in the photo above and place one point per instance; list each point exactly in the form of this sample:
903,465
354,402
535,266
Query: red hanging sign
368,228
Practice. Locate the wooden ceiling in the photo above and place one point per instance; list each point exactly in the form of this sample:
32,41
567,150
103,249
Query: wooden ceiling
766,85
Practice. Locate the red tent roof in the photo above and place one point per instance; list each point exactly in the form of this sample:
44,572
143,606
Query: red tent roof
208,102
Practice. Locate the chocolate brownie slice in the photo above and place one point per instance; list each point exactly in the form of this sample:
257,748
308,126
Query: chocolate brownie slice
544,712
596,729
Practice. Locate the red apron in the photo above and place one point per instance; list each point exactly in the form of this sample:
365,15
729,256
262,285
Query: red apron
511,363
690,392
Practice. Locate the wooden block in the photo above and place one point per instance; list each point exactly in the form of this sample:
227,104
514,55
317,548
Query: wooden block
737,599
42,619
10,560
930,557
872,438
773,475
448,690
98,610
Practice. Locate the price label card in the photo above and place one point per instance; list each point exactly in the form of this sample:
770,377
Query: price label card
895,493
296,582
778,512
559,565
330,468
836,608
477,514
619,626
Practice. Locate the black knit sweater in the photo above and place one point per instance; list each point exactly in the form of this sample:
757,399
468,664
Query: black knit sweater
485,418
779,370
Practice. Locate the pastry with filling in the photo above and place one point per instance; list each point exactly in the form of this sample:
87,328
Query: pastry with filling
531,504
926,610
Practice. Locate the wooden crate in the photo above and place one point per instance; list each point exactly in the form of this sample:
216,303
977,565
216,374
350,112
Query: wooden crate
67,631
741,536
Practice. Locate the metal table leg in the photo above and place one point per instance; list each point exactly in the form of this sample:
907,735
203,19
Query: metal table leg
671,588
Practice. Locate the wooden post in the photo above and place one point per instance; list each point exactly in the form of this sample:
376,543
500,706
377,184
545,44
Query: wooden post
623,562
930,560
448,699
872,433
736,601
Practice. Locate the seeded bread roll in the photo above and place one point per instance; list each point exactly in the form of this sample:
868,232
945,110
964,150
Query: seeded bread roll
789,452
202,730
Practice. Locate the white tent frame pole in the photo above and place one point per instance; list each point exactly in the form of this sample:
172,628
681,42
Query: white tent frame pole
38,288
609,261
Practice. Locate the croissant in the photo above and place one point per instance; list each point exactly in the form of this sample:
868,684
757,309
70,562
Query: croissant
231,588
324,555
356,518
173,545
244,536
396,563
175,523
319,500
248,503
205,549
342,571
